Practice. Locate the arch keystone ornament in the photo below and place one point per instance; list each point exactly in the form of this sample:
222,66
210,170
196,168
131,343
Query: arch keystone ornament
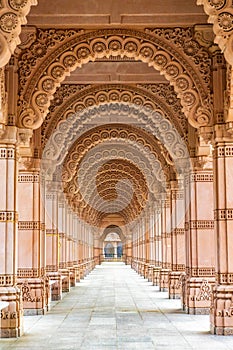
170,61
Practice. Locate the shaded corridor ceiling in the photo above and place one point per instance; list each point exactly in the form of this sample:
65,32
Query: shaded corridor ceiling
128,161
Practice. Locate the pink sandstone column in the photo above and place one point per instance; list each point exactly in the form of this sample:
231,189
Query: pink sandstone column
166,232
221,315
177,240
52,240
160,275
62,233
200,252
12,316
128,247
31,246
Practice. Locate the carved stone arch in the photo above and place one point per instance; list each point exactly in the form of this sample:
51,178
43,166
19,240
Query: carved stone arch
134,153
151,49
163,100
92,138
70,129
12,15
104,198
221,15
88,160
112,228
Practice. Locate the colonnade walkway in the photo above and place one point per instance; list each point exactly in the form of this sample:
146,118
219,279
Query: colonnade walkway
115,308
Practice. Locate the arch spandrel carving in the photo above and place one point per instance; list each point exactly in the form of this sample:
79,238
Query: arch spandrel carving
12,16
151,49
159,97
221,15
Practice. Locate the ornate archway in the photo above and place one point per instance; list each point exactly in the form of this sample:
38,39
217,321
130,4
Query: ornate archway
177,64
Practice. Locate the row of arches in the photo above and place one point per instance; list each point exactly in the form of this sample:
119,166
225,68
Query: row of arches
150,163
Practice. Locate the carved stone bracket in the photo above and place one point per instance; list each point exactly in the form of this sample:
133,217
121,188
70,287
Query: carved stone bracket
12,15
221,15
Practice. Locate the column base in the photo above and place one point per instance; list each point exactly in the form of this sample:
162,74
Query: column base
77,273
221,312
128,260
164,280
175,284
196,295
150,273
65,280
55,283
11,325
35,295
72,276
146,270
156,275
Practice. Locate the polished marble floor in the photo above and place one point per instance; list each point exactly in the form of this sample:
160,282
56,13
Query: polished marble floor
114,308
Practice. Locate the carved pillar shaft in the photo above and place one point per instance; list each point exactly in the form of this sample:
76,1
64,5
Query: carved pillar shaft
151,238
62,234
11,317
166,233
221,309
158,231
166,242
128,249
96,249
200,254
31,226
76,222
51,225
177,241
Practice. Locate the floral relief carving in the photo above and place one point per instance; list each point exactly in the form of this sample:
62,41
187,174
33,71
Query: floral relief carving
205,291
221,15
184,40
27,293
152,49
12,15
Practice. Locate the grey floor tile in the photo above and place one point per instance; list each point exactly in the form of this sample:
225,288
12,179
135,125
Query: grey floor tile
115,309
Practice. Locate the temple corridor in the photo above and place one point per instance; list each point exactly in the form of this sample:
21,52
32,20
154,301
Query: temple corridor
115,308
116,145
